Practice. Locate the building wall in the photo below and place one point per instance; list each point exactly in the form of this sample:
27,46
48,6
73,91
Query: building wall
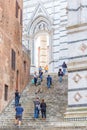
10,39
54,11
77,65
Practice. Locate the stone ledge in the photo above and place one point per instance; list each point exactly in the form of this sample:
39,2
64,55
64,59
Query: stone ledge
76,26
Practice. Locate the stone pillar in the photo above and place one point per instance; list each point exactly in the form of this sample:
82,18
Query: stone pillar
38,57
83,11
32,68
77,69
51,59
43,51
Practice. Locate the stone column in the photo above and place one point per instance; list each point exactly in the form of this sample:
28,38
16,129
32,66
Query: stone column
32,68
43,51
51,60
77,69
83,11
38,57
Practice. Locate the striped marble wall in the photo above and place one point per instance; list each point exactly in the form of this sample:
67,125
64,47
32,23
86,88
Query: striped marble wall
56,9
77,65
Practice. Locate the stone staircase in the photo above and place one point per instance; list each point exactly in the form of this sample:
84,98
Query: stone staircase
56,100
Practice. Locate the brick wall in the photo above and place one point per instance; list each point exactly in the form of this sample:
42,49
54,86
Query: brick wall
10,39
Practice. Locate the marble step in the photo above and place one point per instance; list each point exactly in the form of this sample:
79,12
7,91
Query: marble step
55,98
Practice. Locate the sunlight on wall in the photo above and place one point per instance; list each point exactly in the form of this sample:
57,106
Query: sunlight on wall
41,50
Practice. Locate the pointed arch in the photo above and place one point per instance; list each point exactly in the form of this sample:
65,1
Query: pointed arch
39,18
40,23
40,10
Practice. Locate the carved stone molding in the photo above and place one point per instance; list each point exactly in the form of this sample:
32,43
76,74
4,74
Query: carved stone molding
83,47
77,78
77,97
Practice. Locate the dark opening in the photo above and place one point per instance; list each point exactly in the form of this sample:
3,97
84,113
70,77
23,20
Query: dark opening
6,93
13,59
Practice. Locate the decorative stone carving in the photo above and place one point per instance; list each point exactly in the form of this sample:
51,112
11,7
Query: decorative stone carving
83,47
41,27
77,78
77,97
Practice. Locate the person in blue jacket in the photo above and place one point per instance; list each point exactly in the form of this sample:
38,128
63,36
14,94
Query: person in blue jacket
36,108
64,67
49,81
17,98
18,117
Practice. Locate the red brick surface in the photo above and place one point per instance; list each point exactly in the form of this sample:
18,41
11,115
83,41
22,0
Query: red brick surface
10,38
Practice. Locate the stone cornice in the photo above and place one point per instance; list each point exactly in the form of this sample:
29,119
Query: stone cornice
82,30
77,69
76,26
77,66
78,62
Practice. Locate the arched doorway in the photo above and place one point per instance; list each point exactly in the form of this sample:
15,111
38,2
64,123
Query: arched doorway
40,41
41,50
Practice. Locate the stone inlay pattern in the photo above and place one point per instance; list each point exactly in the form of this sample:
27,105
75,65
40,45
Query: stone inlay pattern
77,78
77,97
83,47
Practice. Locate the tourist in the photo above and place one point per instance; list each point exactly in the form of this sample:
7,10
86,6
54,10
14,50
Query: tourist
38,81
60,75
64,66
41,75
40,69
49,81
46,68
43,109
18,118
17,98
36,108
35,78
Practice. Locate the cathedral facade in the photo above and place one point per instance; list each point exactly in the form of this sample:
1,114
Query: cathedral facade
44,32
57,29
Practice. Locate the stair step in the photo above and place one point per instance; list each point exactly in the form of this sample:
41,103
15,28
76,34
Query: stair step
56,100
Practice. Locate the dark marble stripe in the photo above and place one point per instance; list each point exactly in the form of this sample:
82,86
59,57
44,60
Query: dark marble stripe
63,1
77,57
55,45
63,42
56,52
63,58
63,36
56,38
77,89
63,49
81,6
64,20
78,105
77,41
82,69
64,30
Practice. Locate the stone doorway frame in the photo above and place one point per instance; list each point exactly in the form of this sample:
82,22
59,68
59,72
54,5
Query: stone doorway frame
39,25
39,34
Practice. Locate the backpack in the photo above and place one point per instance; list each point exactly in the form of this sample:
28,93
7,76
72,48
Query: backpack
32,81
38,106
